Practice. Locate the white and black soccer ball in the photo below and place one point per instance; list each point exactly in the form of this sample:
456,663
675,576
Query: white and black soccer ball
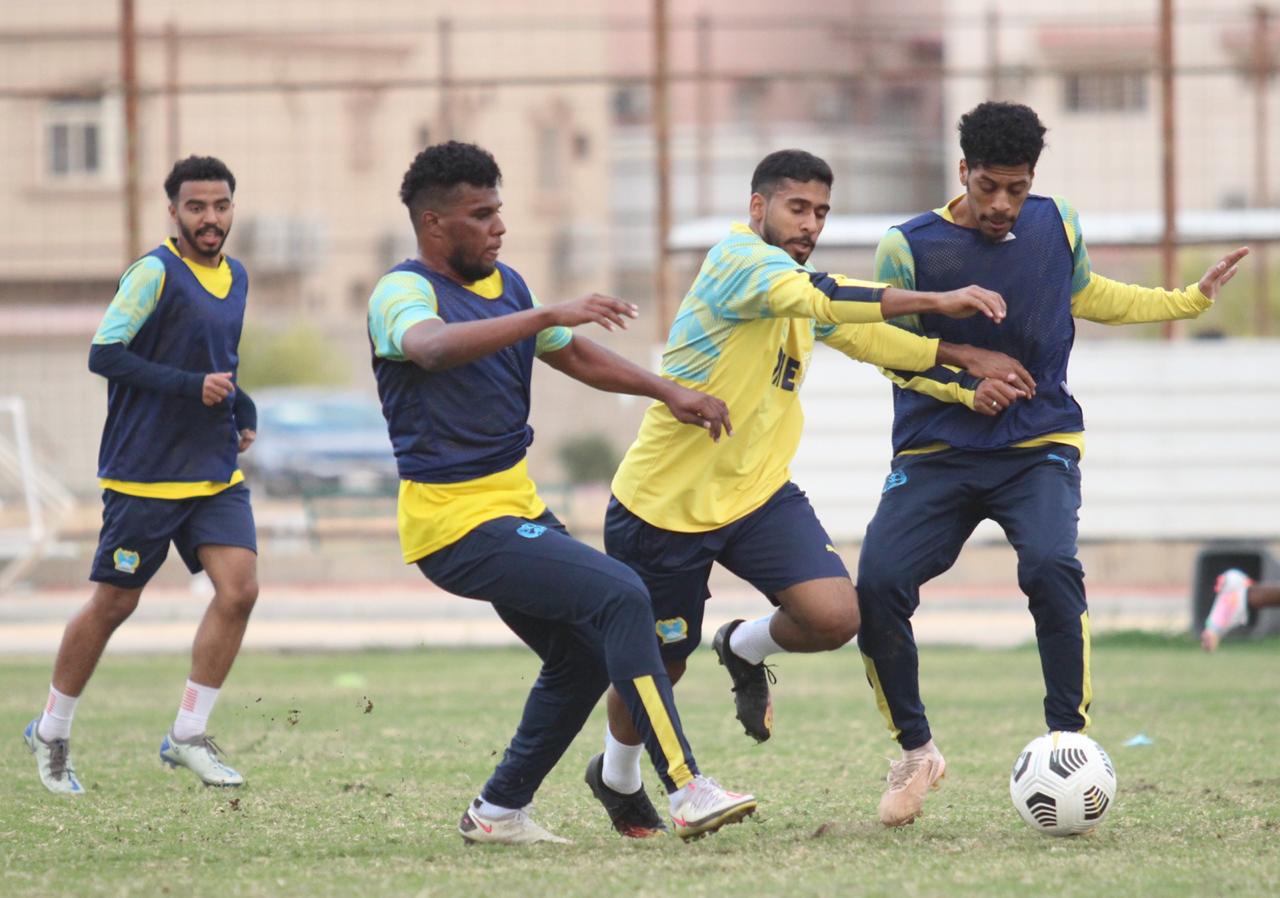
1063,784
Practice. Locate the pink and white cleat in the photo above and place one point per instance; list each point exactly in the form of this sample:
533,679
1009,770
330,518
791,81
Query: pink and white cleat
1230,607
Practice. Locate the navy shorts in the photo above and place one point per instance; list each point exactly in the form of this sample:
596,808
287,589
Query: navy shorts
136,532
778,545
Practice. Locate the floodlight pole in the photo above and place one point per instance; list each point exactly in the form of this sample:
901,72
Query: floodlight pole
129,90
1168,157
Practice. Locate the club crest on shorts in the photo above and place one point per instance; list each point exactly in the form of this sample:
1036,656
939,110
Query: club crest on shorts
531,531
672,629
896,479
126,561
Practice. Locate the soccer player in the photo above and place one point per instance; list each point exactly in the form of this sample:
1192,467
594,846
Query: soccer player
1234,594
454,335
1018,466
745,332
168,346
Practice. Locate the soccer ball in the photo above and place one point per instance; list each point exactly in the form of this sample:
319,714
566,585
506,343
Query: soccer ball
1063,784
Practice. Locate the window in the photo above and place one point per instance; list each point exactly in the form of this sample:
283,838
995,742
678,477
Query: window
748,99
79,140
631,105
1105,91
550,156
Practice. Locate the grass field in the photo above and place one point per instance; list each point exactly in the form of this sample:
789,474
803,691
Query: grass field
359,766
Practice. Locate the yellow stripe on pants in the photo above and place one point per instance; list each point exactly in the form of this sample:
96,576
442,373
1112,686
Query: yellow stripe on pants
677,766
1086,687
881,701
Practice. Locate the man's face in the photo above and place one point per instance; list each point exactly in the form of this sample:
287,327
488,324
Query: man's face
203,211
792,216
995,194
471,230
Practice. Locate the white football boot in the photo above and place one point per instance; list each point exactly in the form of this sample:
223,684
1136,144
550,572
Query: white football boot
200,756
53,761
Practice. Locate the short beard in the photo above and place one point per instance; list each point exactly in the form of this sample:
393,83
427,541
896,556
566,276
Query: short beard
470,270
191,241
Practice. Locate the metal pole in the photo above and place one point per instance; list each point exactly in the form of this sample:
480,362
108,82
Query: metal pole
173,124
703,123
662,154
993,53
1261,156
129,89
444,38
1168,156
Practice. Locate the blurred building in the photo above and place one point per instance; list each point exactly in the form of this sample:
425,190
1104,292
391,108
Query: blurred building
851,81
1091,71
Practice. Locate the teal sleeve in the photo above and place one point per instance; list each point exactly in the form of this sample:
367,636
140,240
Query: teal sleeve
1081,268
895,265
135,300
552,338
398,302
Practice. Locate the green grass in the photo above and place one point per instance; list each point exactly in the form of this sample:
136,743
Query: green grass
359,766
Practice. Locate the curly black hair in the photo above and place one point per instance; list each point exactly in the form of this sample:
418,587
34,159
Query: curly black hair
197,168
796,165
438,169
1001,134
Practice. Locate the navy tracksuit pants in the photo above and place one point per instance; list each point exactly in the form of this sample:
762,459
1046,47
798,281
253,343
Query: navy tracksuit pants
929,507
590,620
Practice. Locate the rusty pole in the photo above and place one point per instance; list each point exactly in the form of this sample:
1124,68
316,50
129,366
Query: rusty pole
1168,157
173,124
129,90
662,155
703,123
1261,157
993,53
444,40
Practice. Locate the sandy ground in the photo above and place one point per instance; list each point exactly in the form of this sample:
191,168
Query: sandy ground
354,616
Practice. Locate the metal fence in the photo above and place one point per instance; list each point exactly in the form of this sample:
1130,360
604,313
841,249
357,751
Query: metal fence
611,127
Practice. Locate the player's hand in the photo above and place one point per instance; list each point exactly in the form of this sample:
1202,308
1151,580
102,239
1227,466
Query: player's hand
606,311
969,301
994,396
217,387
1221,271
247,437
987,363
691,407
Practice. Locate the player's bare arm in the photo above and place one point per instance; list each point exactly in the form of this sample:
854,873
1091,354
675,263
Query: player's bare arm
962,303
986,363
437,346
596,366
994,396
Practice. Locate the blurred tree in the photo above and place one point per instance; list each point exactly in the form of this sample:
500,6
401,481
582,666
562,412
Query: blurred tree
588,458
287,357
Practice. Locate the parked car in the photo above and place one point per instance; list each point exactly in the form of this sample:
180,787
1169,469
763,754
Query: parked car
314,441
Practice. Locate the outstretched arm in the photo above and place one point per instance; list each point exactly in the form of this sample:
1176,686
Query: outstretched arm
436,346
1100,299
595,366
983,380
1112,302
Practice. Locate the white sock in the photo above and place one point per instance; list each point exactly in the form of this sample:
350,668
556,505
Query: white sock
621,769
493,811
193,713
674,798
55,722
751,641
